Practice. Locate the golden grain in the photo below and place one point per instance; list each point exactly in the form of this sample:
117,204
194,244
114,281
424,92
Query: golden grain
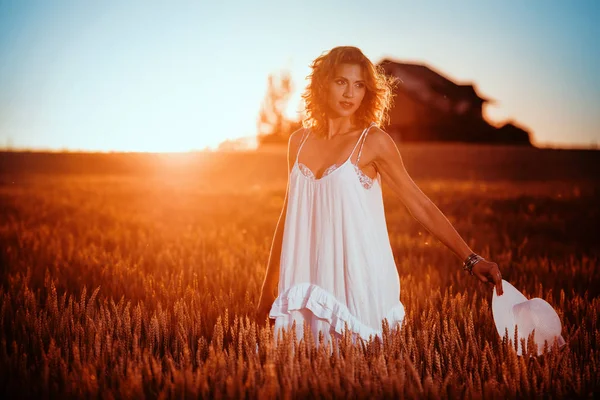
176,270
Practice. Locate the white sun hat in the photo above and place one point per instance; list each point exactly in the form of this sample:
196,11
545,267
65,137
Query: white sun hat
514,309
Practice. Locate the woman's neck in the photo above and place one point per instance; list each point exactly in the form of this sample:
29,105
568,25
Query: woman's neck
339,126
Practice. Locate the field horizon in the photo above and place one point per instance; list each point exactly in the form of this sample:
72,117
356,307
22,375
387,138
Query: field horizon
136,275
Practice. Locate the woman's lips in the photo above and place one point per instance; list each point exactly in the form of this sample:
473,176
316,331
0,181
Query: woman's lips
346,104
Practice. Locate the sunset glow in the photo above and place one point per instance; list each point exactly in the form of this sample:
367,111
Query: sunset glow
115,77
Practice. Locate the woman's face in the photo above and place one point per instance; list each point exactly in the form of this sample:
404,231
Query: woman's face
346,90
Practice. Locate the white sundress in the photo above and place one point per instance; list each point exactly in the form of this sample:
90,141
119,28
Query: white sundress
336,261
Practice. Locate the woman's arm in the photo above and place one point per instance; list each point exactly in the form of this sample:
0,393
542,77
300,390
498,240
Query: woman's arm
269,286
389,163
386,157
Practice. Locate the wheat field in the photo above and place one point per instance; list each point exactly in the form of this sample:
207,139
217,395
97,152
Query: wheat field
136,276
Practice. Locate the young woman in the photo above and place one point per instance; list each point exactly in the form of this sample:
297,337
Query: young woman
331,262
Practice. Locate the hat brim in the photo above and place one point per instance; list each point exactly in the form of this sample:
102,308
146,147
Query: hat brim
502,308
504,318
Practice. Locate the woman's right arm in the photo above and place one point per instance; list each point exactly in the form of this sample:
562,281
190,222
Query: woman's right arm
269,287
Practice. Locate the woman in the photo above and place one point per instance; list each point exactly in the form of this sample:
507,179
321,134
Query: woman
331,262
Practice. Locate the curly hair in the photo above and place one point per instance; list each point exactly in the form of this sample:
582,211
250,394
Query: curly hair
378,97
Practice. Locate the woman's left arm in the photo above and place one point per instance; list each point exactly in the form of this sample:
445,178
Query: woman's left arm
388,161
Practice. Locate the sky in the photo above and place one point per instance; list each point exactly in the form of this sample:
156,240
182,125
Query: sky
187,75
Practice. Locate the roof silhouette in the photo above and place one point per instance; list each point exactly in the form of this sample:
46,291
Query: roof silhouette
408,73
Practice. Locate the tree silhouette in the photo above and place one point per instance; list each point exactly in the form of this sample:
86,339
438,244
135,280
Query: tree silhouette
273,127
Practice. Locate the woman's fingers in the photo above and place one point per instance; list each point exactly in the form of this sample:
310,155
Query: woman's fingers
497,278
488,272
499,289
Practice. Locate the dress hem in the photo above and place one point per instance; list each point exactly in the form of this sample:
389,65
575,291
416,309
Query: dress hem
325,306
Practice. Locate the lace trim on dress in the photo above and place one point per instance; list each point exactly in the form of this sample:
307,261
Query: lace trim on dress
364,179
309,174
324,305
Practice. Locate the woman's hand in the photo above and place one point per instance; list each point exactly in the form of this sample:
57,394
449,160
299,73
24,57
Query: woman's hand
262,310
488,271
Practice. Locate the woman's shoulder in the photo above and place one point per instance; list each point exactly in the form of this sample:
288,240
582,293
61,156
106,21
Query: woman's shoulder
295,138
378,138
297,134
294,143
379,143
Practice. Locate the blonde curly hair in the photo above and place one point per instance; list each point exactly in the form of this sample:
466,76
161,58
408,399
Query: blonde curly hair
378,97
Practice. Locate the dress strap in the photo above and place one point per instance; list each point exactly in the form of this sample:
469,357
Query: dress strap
304,137
361,140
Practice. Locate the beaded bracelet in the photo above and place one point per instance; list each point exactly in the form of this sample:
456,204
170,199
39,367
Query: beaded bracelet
470,261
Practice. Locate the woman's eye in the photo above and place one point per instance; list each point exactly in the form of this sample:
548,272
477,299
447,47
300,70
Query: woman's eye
340,82
360,85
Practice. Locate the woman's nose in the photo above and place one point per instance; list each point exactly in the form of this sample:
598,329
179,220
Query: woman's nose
349,93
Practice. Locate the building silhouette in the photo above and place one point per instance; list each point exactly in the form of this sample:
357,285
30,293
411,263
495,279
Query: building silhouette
430,107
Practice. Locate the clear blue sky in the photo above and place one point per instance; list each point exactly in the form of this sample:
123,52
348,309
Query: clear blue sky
152,76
